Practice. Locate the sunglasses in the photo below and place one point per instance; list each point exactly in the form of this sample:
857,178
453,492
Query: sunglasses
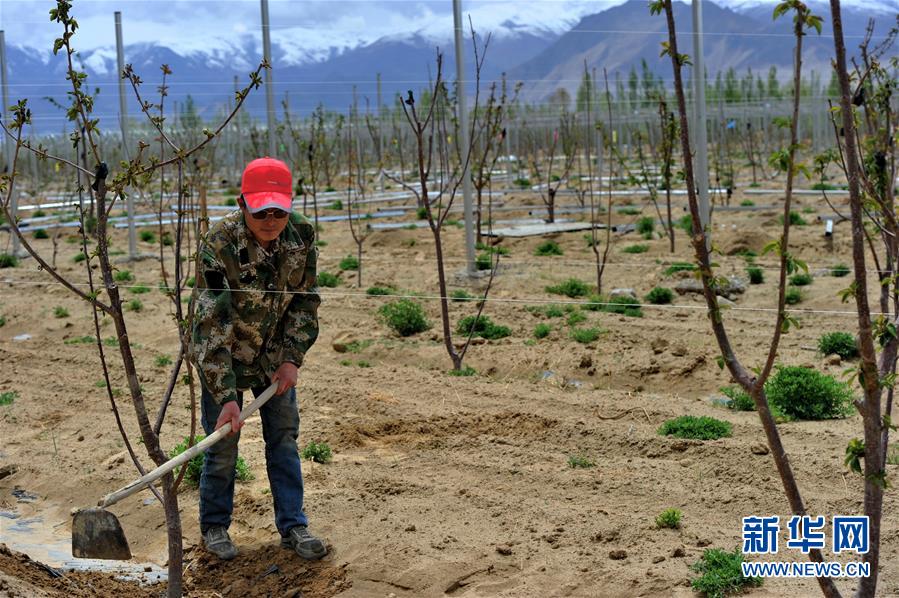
275,212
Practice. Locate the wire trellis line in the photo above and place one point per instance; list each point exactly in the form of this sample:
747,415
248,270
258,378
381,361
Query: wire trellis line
517,301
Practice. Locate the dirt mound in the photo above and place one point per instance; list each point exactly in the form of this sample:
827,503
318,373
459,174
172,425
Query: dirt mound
20,576
262,571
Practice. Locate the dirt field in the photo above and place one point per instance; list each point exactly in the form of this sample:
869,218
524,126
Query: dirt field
444,485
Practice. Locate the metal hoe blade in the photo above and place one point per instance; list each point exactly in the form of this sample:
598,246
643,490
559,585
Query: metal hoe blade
97,534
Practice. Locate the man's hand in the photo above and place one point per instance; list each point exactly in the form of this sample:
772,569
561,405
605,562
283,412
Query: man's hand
230,413
285,376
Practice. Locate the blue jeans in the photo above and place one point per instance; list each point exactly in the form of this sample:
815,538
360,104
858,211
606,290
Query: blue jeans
280,428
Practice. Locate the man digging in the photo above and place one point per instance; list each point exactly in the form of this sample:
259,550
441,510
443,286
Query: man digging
256,317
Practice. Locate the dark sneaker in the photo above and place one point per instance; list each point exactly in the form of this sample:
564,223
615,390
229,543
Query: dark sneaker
306,545
218,542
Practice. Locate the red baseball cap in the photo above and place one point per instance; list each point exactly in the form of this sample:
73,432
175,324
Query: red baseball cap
267,183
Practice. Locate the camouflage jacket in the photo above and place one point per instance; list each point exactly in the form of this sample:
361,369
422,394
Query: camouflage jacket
255,309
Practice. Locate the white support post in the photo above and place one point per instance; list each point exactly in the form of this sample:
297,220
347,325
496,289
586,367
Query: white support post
463,140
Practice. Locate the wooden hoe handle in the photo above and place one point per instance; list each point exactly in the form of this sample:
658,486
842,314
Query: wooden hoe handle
200,447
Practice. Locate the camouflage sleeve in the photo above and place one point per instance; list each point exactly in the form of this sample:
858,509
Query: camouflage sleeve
301,318
213,327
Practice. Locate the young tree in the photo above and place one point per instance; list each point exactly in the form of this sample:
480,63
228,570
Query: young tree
106,192
754,384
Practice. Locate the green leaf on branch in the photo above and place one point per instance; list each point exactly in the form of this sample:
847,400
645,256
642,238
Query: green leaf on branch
855,452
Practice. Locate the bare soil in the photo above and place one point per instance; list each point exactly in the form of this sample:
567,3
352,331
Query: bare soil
443,485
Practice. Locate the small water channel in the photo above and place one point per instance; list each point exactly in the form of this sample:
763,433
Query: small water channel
49,542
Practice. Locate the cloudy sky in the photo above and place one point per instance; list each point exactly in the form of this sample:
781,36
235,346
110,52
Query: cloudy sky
186,25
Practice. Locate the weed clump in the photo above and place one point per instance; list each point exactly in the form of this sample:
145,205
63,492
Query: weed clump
326,279
379,291
756,275
147,236
580,462
669,518
542,330
575,318
801,280
461,295
548,248
838,343
123,276
623,305
721,573
60,312
404,316
318,452
804,393
484,261
737,398
796,219
570,288
660,296
698,428
793,295
350,262
465,372
585,335
840,270
195,465
482,326
646,226
7,397
40,233
676,267
636,248
8,261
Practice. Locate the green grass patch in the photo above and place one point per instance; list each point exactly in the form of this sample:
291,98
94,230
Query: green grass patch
737,398
319,452
747,203
697,428
380,291
793,295
460,295
482,326
572,287
721,574
623,305
328,280
8,261
548,248
147,236
40,233
350,262
465,372
838,343
404,316
801,279
123,276
139,289
542,330
585,335
580,462
638,248
840,270
135,305
796,219
660,296
669,518
195,465
805,393
60,312
79,257
162,361
575,318
8,397
676,267
756,275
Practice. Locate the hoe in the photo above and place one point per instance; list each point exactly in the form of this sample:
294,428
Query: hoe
97,534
